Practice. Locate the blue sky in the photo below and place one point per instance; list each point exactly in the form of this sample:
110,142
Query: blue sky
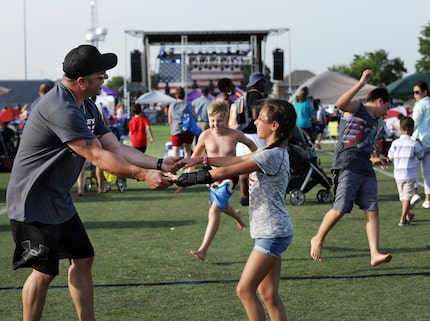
323,33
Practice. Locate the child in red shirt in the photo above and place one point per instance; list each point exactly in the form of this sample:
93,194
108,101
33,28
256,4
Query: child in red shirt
139,129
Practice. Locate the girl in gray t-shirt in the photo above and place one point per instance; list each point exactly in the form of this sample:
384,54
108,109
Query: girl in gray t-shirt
270,222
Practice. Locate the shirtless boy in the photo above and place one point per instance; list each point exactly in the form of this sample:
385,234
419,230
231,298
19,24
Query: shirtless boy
218,141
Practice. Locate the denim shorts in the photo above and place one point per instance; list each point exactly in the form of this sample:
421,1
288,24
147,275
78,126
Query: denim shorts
274,246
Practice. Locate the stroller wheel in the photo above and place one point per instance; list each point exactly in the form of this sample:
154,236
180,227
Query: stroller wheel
325,196
88,184
121,184
297,197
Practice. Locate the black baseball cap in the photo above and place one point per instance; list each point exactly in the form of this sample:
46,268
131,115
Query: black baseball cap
87,59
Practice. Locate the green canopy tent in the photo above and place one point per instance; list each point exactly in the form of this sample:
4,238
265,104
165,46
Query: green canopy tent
402,88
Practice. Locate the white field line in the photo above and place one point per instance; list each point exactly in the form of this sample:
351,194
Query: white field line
3,210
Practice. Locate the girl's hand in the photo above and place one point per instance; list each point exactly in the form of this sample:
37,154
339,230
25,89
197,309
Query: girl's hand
178,190
190,162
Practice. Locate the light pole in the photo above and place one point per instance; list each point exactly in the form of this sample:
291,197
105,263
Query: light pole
95,34
126,92
289,62
25,40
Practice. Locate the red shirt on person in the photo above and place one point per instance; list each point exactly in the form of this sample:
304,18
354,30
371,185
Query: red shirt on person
137,128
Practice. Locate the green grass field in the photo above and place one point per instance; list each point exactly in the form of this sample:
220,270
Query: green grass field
143,270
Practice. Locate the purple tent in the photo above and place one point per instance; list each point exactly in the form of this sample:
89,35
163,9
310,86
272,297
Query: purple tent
193,94
108,92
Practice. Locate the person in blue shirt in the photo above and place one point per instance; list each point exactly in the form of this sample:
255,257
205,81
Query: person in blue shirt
306,114
421,116
200,106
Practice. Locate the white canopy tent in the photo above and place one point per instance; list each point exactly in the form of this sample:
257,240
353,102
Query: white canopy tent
155,97
329,86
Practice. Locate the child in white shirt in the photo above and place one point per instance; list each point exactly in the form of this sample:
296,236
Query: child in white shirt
406,152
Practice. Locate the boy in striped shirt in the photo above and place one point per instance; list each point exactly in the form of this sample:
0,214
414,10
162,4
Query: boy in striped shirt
405,154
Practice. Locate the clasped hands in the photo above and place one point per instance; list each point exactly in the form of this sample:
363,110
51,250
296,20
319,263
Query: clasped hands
190,177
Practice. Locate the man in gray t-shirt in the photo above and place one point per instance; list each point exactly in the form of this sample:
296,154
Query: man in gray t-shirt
45,162
63,130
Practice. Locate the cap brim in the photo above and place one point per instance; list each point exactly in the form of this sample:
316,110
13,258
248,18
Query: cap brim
252,83
109,61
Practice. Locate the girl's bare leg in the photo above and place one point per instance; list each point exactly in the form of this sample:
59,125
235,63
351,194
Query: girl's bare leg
261,272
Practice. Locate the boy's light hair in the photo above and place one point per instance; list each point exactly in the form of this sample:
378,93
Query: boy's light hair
218,106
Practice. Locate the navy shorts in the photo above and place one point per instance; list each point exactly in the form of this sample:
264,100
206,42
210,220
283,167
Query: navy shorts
41,246
273,246
351,187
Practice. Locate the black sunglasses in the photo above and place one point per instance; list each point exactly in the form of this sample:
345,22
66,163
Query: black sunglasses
416,92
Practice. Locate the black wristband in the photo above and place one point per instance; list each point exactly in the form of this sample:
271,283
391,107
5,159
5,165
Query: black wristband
159,163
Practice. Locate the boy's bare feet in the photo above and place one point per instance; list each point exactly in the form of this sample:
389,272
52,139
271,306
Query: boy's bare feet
380,258
239,222
316,249
198,255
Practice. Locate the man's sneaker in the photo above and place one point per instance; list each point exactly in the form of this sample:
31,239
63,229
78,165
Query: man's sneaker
414,200
426,204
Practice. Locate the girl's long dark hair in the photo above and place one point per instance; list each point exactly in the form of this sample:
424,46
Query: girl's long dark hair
283,113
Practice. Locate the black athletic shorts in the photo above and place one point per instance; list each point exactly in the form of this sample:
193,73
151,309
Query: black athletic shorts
41,246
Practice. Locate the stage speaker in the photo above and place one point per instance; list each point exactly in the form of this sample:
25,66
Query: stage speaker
278,64
136,66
